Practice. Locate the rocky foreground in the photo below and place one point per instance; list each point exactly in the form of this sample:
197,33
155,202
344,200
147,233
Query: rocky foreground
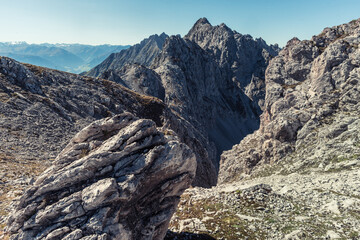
297,177
294,206
118,178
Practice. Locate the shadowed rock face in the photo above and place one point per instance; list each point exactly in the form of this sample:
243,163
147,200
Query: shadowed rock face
199,91
118,178
242,58
311,105
213,78
42,109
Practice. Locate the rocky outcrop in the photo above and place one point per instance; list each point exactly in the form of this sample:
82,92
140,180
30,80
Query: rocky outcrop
142,53
311,108
118,178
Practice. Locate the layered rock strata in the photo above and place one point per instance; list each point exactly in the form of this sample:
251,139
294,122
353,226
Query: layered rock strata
118,178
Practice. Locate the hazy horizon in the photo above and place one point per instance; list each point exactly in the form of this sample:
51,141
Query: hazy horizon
61,43
118,22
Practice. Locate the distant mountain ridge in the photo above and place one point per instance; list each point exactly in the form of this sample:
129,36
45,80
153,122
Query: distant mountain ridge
142,53
73,58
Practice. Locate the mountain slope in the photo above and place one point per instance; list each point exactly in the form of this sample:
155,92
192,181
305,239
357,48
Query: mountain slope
298,176
311,108
201,85
196,88
41,109
142,53
243,58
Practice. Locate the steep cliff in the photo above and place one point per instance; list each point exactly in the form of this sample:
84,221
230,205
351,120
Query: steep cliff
243,58
213,78
311,109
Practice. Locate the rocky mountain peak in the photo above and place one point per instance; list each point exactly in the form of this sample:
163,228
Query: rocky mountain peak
213,78
155,39
242,58
309,87
142,53
202,21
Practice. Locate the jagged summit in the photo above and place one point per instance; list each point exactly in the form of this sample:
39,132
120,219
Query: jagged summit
241,56
202,21
142,53
213,78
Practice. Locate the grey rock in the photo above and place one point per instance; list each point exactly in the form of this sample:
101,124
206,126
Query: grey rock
41,109
308,108
243,58
138,78
74,235
196,90
142,53
134,199
213,78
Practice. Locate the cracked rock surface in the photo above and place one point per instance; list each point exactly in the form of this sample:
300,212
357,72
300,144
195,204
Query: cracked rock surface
118,178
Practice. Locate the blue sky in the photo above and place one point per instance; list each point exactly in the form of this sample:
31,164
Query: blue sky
128,22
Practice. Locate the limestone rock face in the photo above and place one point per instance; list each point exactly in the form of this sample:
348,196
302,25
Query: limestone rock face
142,53
118,178
138,78
242,58
311,107
213,78
199,91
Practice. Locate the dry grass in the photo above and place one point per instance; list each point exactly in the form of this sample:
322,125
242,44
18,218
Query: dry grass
228,224
12,169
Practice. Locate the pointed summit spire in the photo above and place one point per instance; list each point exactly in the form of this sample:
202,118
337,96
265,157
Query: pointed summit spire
201,25
202,21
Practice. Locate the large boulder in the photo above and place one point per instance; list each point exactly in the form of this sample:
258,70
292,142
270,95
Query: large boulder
118,178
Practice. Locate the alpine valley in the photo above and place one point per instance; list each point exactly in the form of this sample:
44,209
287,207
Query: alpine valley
214,135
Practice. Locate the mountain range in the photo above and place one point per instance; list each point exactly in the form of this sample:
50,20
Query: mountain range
267,137
74,58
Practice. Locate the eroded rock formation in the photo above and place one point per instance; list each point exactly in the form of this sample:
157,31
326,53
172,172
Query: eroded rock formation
42,109
118,178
